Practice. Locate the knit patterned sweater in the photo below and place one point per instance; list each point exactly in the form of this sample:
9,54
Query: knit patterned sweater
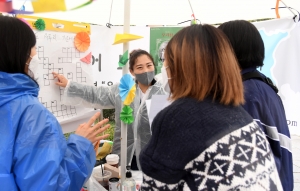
207,146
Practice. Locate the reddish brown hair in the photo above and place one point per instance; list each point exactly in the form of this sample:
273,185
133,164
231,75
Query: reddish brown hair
202,64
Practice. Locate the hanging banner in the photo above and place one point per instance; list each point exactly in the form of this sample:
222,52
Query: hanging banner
159,38
48,6
282,64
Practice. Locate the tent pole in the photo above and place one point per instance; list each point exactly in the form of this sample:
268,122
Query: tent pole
125,71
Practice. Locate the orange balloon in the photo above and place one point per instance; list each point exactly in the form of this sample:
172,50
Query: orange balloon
82,41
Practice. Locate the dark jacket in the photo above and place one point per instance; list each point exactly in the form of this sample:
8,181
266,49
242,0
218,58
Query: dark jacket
266,107
204,145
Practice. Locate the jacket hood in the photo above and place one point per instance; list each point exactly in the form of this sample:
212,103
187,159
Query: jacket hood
15,85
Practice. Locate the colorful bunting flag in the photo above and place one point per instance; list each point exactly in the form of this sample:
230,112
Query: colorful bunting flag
6,6
48,5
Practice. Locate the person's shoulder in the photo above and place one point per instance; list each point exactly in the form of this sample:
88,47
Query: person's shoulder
157,89
158,83
258,86
165,113
208,109
258,91
183,104
32,102
25,101
32,106
178,107
33,116
187,103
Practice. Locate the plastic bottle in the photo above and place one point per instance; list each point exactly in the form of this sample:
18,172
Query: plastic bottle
85,187
129,183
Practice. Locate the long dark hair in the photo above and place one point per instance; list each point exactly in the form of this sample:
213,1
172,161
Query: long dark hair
246,42
17,39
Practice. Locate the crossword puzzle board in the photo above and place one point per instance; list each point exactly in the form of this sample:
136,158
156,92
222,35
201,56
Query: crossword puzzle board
56,53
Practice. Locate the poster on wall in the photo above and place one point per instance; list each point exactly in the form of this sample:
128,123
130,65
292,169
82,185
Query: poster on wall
159,38
56,53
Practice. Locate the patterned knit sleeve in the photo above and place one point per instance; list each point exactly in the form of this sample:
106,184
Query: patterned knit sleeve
239,160
150,183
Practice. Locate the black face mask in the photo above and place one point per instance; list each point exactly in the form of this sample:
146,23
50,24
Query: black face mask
145,78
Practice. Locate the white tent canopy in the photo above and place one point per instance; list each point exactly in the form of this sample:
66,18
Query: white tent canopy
168,12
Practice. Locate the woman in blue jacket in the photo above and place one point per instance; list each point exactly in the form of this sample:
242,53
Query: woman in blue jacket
34,152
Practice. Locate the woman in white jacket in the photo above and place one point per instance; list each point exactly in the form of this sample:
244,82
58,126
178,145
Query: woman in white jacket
141,65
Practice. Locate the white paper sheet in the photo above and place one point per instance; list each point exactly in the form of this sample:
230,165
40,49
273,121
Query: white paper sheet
148,104
157,103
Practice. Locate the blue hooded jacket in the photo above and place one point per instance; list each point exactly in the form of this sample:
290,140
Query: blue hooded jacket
34,154
266,107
